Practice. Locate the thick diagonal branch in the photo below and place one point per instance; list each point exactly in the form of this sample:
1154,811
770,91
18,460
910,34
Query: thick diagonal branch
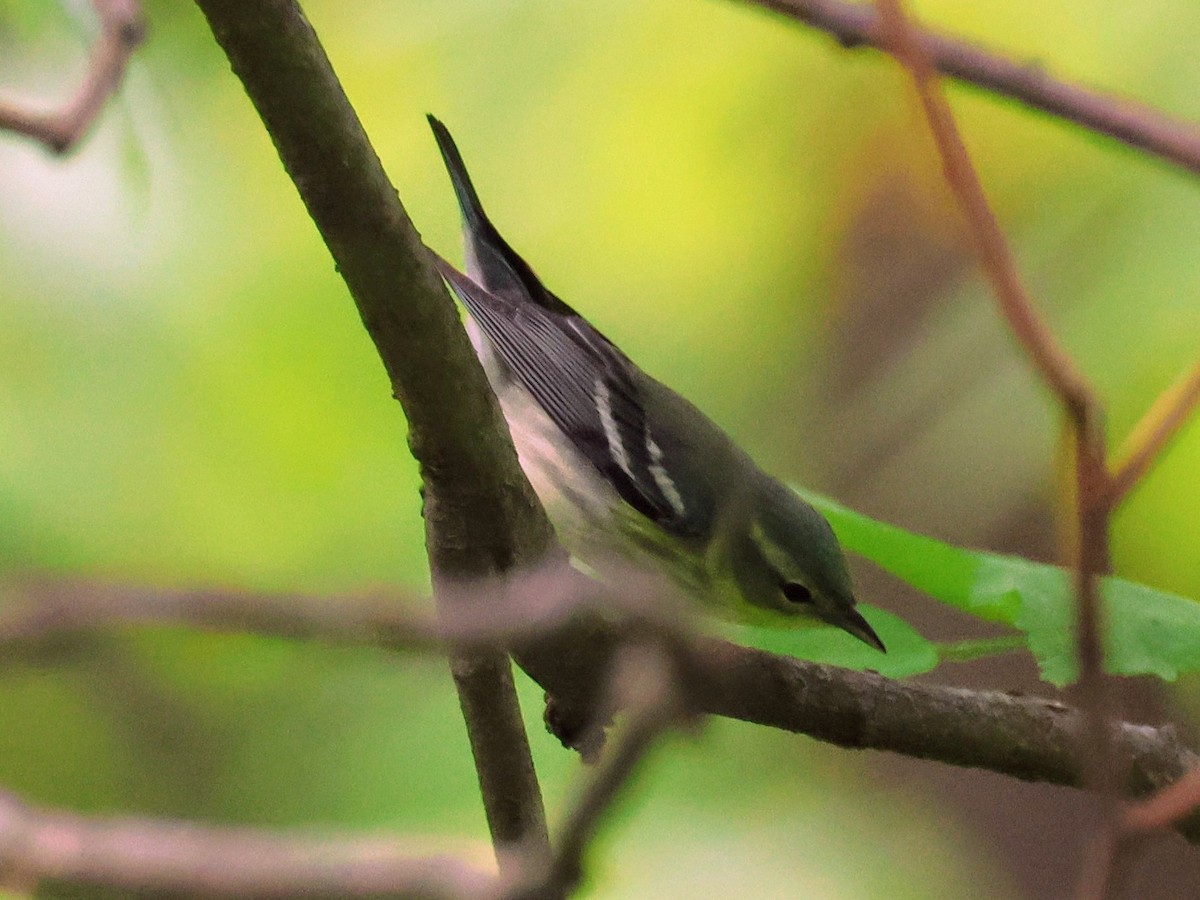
481,515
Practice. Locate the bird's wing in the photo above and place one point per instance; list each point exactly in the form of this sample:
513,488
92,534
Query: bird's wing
589,389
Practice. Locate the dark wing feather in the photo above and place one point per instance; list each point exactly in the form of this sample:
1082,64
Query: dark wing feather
588,389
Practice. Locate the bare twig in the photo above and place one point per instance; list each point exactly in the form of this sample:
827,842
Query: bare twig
122,29
1097,492
1048,357
148,855
1058,370
1166,807
1151,435
1132,123
645,688
1106,869
481,516
1105,862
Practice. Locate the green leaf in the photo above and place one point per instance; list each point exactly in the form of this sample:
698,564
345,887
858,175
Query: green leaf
1149,632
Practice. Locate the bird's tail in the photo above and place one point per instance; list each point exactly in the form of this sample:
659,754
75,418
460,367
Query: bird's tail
468,200
490,261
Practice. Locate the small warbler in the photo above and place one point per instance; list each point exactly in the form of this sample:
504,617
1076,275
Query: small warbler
625,467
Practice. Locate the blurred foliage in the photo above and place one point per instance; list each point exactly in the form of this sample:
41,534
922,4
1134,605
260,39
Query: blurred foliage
187,398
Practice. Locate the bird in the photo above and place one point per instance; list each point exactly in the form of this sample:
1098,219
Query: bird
626,468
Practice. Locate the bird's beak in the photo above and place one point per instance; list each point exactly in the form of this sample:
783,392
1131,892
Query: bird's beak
853,622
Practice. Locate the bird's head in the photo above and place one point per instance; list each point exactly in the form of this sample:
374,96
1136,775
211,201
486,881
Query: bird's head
790,563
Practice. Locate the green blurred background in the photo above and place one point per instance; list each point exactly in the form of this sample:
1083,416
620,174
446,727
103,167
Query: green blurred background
187,397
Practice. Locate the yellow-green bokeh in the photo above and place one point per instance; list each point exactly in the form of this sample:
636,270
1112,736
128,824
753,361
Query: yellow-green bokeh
187,397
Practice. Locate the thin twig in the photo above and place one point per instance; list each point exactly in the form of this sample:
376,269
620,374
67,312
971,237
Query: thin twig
1097,492
1151,435
644,687
1105,866
1058,370
122,29
148,855
1048,357
1166,807
1124,120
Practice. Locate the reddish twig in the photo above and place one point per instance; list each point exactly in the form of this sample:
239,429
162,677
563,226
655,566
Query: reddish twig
1165,808
1048,357
1152,434
122,29
1132,123
1103,869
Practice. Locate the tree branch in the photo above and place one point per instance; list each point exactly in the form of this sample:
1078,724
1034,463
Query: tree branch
1056,368
1135,124
134,854
481,515
122,29
1097,491
1023,737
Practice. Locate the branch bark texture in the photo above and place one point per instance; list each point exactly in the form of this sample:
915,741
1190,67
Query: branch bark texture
481,515
1023,737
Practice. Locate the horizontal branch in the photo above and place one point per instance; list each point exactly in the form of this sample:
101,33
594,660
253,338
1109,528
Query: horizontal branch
1129,122
149,855
1024,737
1029,738
482,614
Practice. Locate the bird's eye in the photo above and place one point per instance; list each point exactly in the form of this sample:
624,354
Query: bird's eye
797,593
